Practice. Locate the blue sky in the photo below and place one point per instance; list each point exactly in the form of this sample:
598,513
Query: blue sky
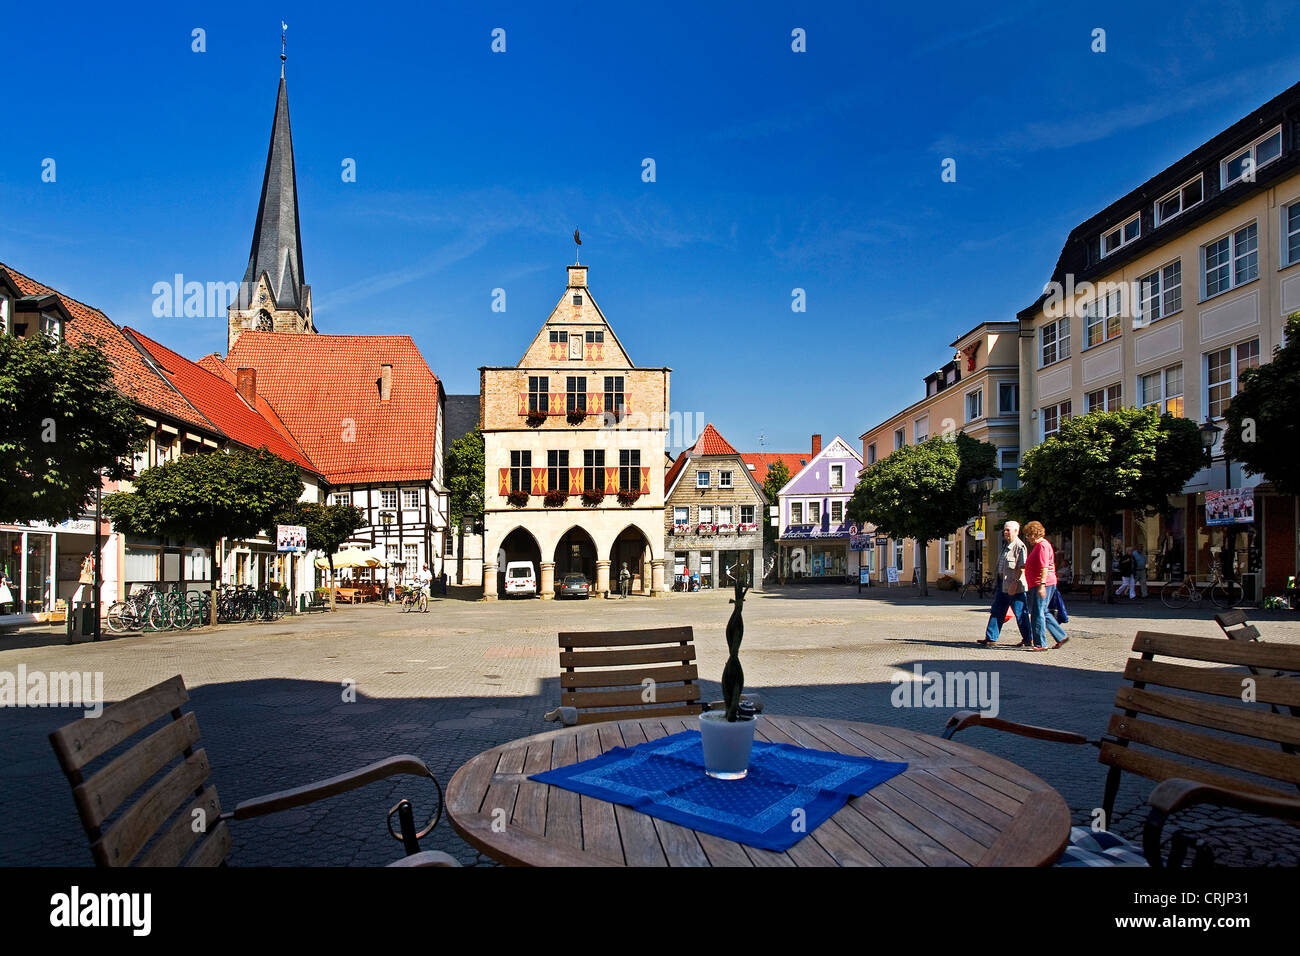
775,170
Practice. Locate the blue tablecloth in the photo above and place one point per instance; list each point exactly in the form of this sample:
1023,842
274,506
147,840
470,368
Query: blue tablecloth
788,793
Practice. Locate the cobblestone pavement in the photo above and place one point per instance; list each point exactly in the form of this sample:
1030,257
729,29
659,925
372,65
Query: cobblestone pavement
470,675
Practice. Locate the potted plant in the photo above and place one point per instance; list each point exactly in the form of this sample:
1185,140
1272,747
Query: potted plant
628,496
556,498
727,736
517,498
576,415
593,496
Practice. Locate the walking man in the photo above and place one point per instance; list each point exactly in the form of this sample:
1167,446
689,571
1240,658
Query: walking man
425,581
1010,588
1140,568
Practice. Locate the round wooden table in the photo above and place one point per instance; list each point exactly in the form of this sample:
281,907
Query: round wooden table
954,806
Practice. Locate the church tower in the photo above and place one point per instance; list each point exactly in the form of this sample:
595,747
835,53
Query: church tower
273,296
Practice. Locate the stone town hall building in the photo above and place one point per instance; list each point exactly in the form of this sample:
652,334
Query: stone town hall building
574,446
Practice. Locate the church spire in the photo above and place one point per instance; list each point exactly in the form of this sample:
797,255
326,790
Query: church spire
277,240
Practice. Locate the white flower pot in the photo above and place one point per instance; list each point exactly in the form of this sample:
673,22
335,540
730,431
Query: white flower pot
726,745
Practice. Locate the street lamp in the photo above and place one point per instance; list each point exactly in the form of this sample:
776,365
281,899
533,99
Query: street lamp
981,488
1209,434
386,519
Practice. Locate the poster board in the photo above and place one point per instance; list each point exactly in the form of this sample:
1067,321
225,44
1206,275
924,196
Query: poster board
891,574
291,538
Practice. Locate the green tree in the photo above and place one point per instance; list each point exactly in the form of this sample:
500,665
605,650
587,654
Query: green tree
921,491
778,476
328,527
1262,428
467,484
62,424
1102,463
207,497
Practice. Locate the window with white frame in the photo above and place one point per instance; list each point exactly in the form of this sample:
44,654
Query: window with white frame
837,476
1223,370
681,515
837,512
701,479
871,454
814,512
1009,466
412,562
975,404
1101,319
341,498
1180,200
724,479
52,326
1103,399
387,498
1052,416
1160,293
898,553
1291,234
796,512
1162,389
1008,398
1121,235
921,429
448,543
706,514
900,438
746,514
410,497
1231,261
947,554
1054,342
1241,166
725,514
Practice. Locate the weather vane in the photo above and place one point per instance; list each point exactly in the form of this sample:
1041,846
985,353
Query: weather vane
283,27
577,252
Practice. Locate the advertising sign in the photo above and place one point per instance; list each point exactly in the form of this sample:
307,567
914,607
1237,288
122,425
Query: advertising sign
979,528
864,575
859,540
891,573
291,537
1232,506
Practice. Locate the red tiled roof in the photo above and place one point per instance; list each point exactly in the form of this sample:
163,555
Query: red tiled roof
325,389
131,375
676,469
712,443
221,403
794,460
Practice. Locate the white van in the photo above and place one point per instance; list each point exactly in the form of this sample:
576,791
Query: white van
521,578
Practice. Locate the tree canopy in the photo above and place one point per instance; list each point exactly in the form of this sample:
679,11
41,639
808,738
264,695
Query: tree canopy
1262,428
1103,463
328,527
206,497
778,475
62,423
921,491
466,481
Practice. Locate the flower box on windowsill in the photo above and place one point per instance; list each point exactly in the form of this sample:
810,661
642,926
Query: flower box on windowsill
576,416
726,529
681,529
706,529
535,417
556,499
747,526
627,496
518,498
592,498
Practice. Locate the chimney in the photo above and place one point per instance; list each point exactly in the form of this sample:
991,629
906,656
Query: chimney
385,382
246,385
816,445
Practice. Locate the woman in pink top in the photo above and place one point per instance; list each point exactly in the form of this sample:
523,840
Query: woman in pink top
1040,577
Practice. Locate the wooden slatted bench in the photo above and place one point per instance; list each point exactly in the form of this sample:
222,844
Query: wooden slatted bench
603,674
1205,735
168,774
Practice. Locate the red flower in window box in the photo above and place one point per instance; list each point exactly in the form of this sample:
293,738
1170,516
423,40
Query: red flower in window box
593,496
535,417
517,498
627,496
576,415
556,499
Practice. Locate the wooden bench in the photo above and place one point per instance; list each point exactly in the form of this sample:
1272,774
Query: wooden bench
1201,744
157,828
603,677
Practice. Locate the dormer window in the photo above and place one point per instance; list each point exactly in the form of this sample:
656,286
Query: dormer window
1180,200
577,300
1121,235
52,327
1241,166
4,314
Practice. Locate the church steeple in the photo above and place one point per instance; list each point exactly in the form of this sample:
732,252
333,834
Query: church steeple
274,295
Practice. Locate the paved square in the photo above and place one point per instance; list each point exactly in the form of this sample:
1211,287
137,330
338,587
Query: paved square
469,675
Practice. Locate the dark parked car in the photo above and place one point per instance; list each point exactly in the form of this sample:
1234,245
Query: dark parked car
575,586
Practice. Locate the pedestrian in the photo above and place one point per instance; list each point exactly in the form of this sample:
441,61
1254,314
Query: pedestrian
1125,574
1040,575
1010,589
425,581
1140,568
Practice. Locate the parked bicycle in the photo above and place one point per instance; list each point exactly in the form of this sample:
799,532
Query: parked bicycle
1221,591
414,599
